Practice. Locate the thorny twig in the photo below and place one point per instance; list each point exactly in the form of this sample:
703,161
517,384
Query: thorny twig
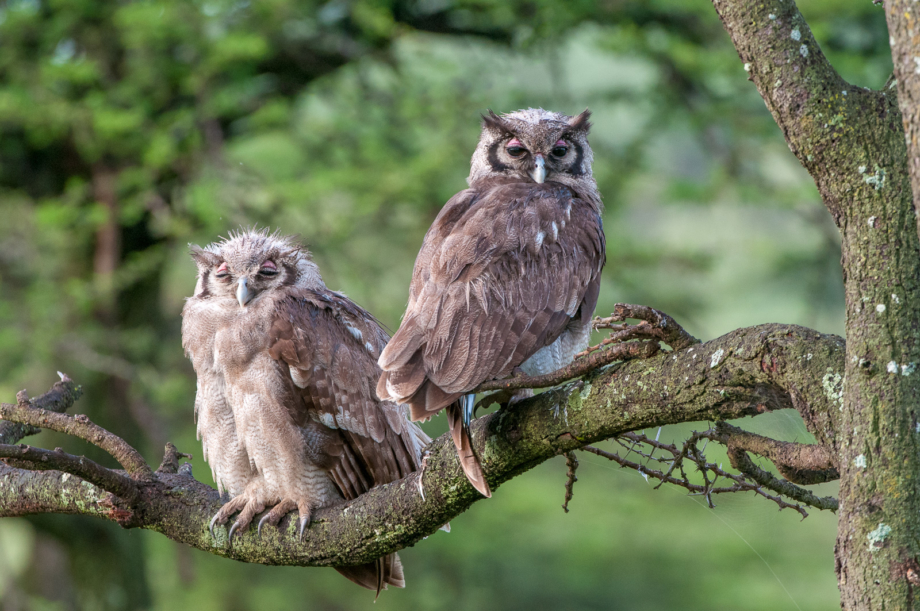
751,478
572,463
627,342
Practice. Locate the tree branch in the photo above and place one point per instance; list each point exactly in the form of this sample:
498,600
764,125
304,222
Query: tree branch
746,372
827,122
80,427
37,459
743,463
799,463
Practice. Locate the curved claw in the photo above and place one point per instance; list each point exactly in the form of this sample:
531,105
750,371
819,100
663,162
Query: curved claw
211,525
233,529
304,522
264,519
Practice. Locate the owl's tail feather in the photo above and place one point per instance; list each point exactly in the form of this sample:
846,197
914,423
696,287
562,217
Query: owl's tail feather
460,432
376,575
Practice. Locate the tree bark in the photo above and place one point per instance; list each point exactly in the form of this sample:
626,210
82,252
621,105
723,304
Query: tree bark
852,142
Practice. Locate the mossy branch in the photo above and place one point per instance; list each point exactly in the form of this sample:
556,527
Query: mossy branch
744,373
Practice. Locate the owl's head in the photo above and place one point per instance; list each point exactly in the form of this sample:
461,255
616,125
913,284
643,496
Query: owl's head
534,145
250,263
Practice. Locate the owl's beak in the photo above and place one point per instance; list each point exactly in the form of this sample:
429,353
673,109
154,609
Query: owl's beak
242,293
539,171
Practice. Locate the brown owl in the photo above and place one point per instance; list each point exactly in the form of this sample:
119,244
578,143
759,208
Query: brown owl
286,406
508,274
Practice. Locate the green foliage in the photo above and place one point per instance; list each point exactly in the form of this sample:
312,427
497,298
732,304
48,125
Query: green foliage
169,122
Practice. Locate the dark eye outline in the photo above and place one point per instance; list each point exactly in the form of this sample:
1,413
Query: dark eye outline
267,271
560,151
222,274
516,151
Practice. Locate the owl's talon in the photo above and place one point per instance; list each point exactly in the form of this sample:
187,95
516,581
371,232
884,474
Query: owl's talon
304,522
233,529
261,523
212,523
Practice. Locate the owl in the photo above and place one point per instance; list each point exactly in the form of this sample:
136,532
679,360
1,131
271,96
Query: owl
285,405
508,274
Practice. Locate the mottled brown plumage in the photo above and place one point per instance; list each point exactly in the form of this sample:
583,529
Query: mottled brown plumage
286,404
508,274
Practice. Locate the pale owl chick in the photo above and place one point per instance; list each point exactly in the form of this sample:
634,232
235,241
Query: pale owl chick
286,406
508,274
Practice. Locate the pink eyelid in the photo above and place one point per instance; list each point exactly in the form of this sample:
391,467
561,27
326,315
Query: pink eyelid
514,143
561,143
269,265
222,268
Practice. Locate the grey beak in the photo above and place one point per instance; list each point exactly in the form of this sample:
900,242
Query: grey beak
242,292
539,172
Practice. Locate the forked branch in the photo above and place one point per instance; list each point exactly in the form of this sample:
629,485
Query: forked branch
80,427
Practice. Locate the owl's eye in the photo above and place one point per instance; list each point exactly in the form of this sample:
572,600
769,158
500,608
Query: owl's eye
515,148
560,149
222,271
268,268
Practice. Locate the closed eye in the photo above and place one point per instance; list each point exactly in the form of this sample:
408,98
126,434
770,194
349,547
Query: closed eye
222,272
268,268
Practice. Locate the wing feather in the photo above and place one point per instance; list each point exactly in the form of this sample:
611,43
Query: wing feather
329,346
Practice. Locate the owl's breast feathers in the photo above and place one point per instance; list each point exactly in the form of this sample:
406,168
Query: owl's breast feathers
505,267
326,349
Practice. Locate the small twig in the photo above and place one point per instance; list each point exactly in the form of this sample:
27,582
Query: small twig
80,426
38,459
751,478
572,463
171,458
666,328
578,367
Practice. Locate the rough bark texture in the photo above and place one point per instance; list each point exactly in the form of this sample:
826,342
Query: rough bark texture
904,29
851,140
744,373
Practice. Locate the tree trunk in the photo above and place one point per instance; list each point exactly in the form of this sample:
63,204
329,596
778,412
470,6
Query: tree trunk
851,140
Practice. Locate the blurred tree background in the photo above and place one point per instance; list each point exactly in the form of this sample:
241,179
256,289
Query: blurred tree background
130,129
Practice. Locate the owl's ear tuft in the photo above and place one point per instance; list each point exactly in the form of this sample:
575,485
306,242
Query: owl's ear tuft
204,258
580,123
492,121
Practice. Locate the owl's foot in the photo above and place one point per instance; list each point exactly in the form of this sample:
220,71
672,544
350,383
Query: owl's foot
282,509
248,508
